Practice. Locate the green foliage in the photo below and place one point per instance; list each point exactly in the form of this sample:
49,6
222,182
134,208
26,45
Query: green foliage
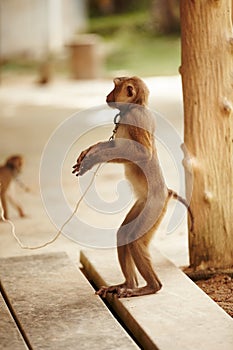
19,66
134,48
144,55
109,25
131,47
106,7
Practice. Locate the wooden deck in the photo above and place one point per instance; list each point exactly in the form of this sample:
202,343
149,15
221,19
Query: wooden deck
10,336
47,303
180,316
54,307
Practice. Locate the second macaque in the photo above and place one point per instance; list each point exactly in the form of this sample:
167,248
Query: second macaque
8,173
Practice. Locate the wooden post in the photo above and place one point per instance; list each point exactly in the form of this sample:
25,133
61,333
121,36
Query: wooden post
207,78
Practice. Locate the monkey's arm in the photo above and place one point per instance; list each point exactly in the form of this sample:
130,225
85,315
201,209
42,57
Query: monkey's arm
136,144
16,205
118,150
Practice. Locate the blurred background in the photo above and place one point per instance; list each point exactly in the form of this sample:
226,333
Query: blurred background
58,57
56,37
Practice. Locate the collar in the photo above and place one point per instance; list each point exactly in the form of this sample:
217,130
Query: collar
116,121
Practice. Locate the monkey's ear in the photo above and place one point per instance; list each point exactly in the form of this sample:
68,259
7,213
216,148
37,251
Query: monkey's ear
117,81
130,91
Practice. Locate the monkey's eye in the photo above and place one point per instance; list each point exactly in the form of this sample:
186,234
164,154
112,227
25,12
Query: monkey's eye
129,90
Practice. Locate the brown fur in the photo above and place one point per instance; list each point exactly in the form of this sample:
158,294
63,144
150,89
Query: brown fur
133,146
8,172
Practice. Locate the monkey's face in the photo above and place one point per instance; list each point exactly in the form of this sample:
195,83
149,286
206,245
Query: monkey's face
15,163
127,90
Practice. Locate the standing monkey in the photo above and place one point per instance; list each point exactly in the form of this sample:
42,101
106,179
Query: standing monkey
133,145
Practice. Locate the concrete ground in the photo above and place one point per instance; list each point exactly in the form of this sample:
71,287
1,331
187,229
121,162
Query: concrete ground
29,115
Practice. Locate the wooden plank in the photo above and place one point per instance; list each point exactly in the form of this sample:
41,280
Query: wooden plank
180,316
10,337
57,307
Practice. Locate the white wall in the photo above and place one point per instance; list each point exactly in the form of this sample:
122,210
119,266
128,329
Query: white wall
32,27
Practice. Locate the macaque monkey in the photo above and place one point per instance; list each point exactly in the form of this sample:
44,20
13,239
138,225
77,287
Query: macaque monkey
133,145
8,172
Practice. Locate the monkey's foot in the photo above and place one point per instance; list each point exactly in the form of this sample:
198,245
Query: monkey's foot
135,292
111,289
123,292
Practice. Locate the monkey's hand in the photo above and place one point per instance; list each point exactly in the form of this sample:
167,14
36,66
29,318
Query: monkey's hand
84,163
81,167
91,156
77,166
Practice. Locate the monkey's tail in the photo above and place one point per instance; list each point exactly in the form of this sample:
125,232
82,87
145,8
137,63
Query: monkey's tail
173,194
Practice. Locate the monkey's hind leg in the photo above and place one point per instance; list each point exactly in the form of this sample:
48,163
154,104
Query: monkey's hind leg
139,252
124,256
16,206
142,231
128,270
135,253
142,259
4,213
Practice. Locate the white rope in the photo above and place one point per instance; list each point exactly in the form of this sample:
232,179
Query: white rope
13,230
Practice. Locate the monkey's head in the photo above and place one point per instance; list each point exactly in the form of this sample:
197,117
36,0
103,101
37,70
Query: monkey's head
128,90
15,163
